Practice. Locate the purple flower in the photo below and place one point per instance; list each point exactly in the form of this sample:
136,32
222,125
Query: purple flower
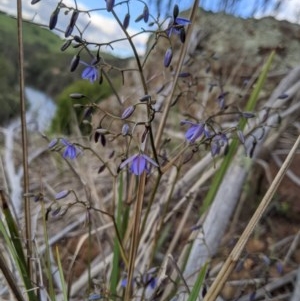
176,26
195,130
217,143
139,163
90,72
71,151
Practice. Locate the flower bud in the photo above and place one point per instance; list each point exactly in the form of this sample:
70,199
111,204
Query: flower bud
125,129
145,98
65,45
62,194
175,11
69,30
128,112
126,21
110,5
168,57
101,168
74,63
182,35
76,95
74,18
139,18
54,18
146,14
248,115
34,1
53,143
78,39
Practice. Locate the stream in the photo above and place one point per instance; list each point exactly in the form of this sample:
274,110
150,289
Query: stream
38,116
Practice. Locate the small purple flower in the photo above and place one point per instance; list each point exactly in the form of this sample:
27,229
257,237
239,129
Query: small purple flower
177,24
90,72
139,163
195,130
217,143
71,151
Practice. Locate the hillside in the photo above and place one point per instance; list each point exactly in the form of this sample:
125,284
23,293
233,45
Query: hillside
46,66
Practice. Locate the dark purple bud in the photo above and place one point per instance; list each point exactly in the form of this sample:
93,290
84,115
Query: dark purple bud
283,96
103,140
248,115
175,11
62,194
168,57
72,23
96,136
100,77
74,62
151,24
139,18
35,1
101,168
78,39
74,18
182,35
87,112
279,267
146,14
55,211
54,18
145,98
128,112
110,5
184,74
240,136
125,129
76,96
69,30
65,45
126,21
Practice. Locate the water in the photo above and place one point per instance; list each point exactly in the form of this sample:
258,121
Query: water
42,109
39,115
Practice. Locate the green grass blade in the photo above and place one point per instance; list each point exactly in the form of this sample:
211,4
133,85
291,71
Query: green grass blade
13,242
194,295
250,106
61,275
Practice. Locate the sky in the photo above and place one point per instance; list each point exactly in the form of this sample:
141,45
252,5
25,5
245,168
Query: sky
101,27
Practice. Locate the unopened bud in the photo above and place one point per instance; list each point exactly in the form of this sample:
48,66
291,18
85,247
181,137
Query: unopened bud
76,95
110,5
126,21
128,112
54,18
125,129
175,11
62,194
146,14
74,63
168,57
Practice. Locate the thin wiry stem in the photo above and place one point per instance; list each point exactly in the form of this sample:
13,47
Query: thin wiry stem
180,63
24,140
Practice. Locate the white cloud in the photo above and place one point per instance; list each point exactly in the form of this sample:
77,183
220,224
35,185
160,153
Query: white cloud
99,28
